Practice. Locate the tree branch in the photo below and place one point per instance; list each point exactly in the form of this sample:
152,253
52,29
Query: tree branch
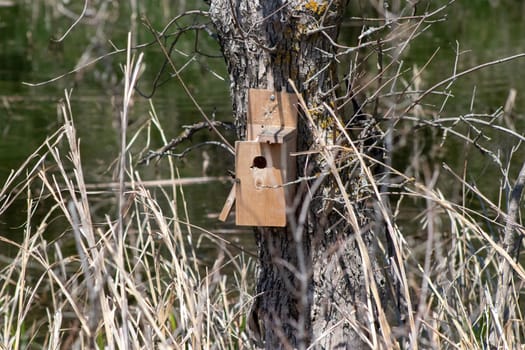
188,132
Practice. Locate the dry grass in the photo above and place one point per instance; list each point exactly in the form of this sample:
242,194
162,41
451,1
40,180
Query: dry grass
131,281
134,280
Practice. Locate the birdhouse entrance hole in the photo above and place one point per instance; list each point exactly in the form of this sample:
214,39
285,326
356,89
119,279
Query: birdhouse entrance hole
259,162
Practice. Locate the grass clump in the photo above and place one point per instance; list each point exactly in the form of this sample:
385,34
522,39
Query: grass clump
128,280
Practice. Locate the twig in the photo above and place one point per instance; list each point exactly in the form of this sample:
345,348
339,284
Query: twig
504,303
157,183
117,50
74,23
459,75
157,80
183,84
176,18
185,135
199,145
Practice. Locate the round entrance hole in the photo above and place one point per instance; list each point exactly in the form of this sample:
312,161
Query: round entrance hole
259,162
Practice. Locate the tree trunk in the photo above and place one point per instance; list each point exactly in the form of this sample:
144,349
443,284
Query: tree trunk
312,284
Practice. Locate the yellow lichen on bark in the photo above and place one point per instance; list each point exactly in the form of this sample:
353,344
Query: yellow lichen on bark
317,7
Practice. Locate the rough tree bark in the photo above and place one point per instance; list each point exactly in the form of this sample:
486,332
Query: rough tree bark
311,283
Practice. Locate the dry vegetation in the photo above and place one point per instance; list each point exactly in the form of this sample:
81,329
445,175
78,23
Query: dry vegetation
133,280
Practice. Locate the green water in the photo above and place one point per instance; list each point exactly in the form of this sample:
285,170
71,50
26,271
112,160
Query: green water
485,30
29,114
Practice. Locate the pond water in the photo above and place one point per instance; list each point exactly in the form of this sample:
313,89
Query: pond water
29,114
485,30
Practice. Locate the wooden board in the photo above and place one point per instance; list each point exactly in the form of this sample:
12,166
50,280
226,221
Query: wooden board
260,197
270,109
228,205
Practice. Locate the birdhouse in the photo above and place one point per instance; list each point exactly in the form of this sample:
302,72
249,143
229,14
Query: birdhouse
264,166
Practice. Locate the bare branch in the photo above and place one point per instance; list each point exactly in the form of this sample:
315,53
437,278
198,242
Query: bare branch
82,14
188,132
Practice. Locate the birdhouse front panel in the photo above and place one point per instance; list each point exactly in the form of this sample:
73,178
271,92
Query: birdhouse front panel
261,173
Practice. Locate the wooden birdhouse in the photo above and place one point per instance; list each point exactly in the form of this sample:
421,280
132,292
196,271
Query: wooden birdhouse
264,166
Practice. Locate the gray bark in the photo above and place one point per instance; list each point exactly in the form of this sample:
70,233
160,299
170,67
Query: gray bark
310,283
